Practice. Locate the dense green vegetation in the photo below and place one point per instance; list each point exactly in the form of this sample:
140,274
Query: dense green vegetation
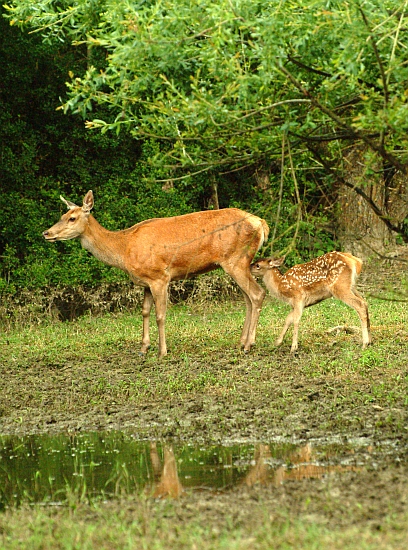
45,154
180,106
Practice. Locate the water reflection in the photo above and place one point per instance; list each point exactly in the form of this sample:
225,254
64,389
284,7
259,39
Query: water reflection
168,482
301,466
66,468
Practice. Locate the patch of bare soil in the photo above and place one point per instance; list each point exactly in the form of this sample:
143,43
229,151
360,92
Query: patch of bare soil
260,398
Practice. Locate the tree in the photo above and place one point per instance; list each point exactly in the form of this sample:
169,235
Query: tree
223,85
44,153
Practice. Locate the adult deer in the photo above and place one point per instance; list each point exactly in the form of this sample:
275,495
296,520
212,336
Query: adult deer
304,285
157,251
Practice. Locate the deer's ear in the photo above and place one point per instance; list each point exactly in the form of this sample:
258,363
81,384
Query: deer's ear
276,262
70,205
88,202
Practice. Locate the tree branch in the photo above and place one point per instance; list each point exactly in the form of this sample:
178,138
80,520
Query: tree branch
379,148
377,55
307,67
377,211
380,65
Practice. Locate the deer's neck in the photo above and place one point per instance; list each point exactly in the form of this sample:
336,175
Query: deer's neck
107,246
276,275
275,281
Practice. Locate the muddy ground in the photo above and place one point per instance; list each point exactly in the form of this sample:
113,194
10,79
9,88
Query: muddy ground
268,397
298,409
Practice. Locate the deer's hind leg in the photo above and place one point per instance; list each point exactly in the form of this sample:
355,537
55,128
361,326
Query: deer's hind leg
253,295
353,299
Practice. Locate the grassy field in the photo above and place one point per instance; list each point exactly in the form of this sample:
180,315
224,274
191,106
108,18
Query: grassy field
172,525
94,362
87,375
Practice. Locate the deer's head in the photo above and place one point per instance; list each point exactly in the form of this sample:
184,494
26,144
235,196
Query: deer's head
73,223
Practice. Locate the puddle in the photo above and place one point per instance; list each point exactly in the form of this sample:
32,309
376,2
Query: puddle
70,468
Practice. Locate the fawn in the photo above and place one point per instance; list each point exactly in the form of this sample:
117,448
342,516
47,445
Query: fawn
333,274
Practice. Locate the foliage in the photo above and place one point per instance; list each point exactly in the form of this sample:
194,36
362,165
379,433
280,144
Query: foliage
207,92
45,153
30,262
222,81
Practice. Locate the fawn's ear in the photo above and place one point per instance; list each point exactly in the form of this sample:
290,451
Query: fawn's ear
276,262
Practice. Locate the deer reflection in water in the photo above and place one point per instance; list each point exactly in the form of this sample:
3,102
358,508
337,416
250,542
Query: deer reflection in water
300,467
167,483
300,464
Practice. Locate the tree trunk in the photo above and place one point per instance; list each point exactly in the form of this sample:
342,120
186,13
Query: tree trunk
213,202
360,230
397,197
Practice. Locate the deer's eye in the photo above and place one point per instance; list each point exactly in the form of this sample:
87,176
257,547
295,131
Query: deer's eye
72,219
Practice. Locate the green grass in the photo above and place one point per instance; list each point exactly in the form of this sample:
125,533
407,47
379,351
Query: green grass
100,355
141,524
202,330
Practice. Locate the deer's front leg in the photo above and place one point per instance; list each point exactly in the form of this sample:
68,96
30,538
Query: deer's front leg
146,309
296,315
288,322
159,292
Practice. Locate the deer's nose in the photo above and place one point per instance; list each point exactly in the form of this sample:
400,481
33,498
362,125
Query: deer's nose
47,235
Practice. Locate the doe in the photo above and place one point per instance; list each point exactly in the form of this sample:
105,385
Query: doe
304,285
157,251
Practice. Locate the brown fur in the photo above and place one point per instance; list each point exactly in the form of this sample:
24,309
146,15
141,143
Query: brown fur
304,285
157,251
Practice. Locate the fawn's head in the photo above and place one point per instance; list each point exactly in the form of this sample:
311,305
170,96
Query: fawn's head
263,265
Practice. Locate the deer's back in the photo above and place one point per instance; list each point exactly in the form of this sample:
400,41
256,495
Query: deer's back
193,243
320,272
